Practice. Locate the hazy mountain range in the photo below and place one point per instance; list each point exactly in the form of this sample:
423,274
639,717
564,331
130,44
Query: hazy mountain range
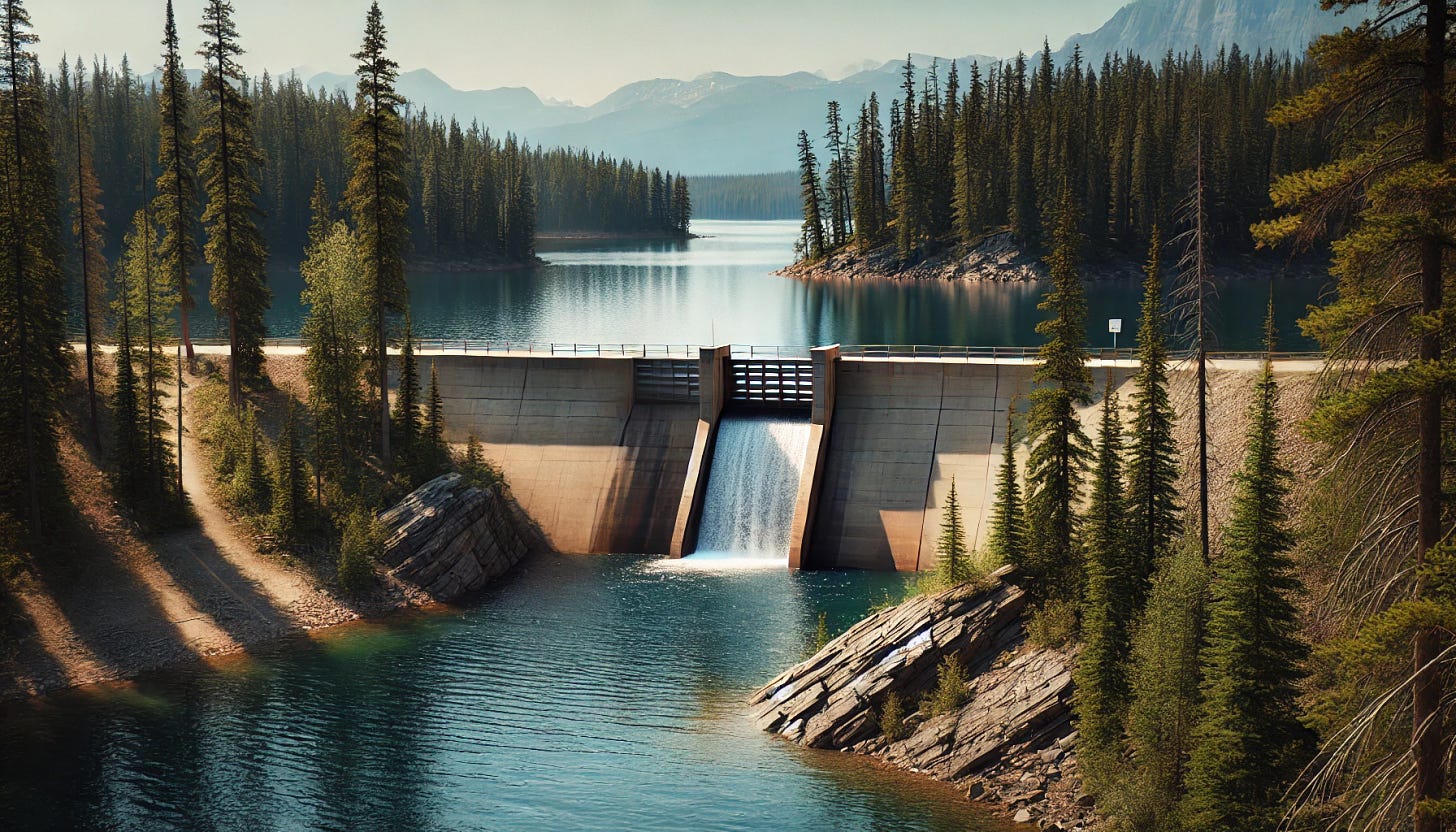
721,123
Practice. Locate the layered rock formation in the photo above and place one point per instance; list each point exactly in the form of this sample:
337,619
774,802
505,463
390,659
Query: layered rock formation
450,538
1012,742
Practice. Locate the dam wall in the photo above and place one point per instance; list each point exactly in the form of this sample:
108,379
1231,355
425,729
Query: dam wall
610,454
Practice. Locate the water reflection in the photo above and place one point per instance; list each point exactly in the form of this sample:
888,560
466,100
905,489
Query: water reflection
721,288
585,693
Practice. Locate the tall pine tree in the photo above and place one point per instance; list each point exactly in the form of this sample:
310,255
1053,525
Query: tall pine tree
176,203
378,199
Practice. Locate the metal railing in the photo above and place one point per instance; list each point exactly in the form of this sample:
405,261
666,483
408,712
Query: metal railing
472,346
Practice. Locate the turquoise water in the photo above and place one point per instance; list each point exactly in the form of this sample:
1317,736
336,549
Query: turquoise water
584,693
721,289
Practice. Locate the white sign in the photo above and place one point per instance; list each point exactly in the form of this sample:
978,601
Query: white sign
1114,325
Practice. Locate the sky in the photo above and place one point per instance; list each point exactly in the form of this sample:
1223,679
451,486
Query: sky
578,50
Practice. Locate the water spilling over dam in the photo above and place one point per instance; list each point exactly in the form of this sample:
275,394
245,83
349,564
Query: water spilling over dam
752,485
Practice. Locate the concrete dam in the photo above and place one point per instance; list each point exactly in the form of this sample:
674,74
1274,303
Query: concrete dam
616,453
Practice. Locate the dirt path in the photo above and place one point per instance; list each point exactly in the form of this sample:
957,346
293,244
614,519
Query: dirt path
128,604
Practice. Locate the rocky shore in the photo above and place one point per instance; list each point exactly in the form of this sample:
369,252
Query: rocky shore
998,258
1012,745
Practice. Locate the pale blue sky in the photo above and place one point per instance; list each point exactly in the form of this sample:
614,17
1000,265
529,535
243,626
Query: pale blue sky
580,49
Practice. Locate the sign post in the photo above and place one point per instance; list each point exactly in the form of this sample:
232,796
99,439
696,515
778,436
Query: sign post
1114,325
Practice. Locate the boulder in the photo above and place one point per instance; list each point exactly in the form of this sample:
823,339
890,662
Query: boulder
450,538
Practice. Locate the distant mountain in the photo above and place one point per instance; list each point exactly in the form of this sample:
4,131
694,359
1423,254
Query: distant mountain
729,124
1152,27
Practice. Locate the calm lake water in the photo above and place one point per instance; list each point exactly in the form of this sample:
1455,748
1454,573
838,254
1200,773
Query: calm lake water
720,288
584,693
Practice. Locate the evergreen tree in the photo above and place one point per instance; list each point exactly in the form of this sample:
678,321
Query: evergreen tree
906,186
1164,705
837,180
1107,605
321,213
1249,743
334,333
1008,522
235,248
378,199
89,230
290,482
176,203
952,554
32,309
1059,447
435,411
147,316
407,404
813,242
1387,422
1152,468
128,457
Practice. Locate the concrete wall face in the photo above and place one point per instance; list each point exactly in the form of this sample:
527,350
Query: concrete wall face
596,471
901,430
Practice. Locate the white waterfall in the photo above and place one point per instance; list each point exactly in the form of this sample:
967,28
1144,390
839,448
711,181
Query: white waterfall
753,483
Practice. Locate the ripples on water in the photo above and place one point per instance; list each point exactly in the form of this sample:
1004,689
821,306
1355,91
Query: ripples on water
585,693
721,288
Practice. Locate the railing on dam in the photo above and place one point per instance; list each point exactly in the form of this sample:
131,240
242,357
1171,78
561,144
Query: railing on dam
470,346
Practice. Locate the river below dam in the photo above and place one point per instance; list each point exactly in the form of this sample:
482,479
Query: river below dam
720,288
582,693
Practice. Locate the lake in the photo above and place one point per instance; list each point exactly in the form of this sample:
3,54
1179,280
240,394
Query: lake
720,288
583,693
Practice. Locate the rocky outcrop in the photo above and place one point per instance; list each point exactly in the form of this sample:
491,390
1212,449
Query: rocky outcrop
1011,744
450,538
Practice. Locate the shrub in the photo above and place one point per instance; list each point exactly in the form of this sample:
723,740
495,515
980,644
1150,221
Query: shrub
821,635
1053,624
950,689
361,543
892,718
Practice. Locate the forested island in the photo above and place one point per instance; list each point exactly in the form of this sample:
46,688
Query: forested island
969,174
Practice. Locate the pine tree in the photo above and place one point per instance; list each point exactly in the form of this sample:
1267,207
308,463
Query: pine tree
89,230
176,203
813,234
1249,743
1059,447
334,333
32,309
1195,295
1101,674
1383,423
952,554
146,310
290,482
1152,468
1164,679
128,457
235,248
837,179
435,411
407,403
907,200
1008,522
321,214
378,199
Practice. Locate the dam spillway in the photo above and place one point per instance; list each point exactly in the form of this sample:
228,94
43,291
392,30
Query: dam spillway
753,483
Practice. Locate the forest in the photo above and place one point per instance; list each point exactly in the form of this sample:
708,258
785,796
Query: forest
464,181
954,158
758,196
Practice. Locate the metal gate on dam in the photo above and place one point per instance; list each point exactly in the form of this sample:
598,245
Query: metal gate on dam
608,449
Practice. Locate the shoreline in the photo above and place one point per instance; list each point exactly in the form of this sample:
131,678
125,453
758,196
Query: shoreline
999,259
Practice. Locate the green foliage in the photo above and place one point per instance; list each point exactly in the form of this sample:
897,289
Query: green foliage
821,636
230,160
1165,693
407,399
360,545
812,244
892,718
435,413
870,211
1249,744
176,204
1008,518
1052,623
951,691
290,480
953,559
1152,467
1059,447
1110,601
34,364
334,332
754,196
